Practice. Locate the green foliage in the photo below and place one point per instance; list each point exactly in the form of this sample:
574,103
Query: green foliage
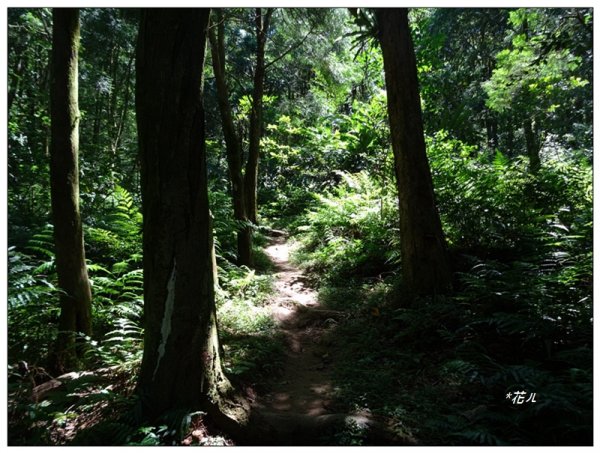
116,313
33,315
521,245
516,213
350,227
114,236
520,318
28,130
540,78
455,50
505,218
252,350
352,434
32,296
121,346
442,370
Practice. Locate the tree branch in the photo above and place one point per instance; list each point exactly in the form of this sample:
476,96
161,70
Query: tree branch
291,48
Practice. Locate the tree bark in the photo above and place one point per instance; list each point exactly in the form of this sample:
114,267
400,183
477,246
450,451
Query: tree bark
76,296
491,126
14,86
425,264
533,146
232,141
181,366
120,123
251,174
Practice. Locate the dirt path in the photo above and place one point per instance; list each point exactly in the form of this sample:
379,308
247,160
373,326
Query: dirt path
304,387
299,409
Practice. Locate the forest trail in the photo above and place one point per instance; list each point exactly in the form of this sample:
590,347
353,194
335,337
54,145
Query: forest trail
304,387
299,408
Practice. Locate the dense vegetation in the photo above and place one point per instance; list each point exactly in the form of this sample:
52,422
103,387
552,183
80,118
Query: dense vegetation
506,99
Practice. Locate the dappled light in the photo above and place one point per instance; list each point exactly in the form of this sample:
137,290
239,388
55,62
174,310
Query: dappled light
273,226
304,386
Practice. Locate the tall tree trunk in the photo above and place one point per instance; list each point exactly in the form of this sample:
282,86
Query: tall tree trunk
533,146
120,121
510,137
181,366
76,296
425,264
491,126
531,139
251,174
14,86
119,124
97,121
232,141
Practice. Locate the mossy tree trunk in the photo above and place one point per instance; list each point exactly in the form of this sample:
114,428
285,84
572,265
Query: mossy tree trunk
425,265
76,296
181,366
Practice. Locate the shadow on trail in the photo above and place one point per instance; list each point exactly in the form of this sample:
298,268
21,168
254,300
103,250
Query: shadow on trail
300,408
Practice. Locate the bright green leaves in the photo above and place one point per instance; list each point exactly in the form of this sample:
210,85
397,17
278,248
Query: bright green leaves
578,82
536,78
352,230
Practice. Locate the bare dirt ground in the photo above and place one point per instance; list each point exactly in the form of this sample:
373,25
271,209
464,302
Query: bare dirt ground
304,387
300,407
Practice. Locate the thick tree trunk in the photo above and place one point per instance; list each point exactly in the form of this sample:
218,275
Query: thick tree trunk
76,296
425,264
181,366
232,141
251,174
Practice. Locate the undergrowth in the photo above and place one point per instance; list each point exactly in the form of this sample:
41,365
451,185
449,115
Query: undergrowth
96,405
520,318
352,232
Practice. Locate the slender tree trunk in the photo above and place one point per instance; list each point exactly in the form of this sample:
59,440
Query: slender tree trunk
181,366
510,137
491,125
97,120
113,70
232,141
425,264
251,174
531,139
14,87
533,146
120,123
76,296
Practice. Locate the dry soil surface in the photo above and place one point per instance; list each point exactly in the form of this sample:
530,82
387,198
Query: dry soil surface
304,387
299,409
